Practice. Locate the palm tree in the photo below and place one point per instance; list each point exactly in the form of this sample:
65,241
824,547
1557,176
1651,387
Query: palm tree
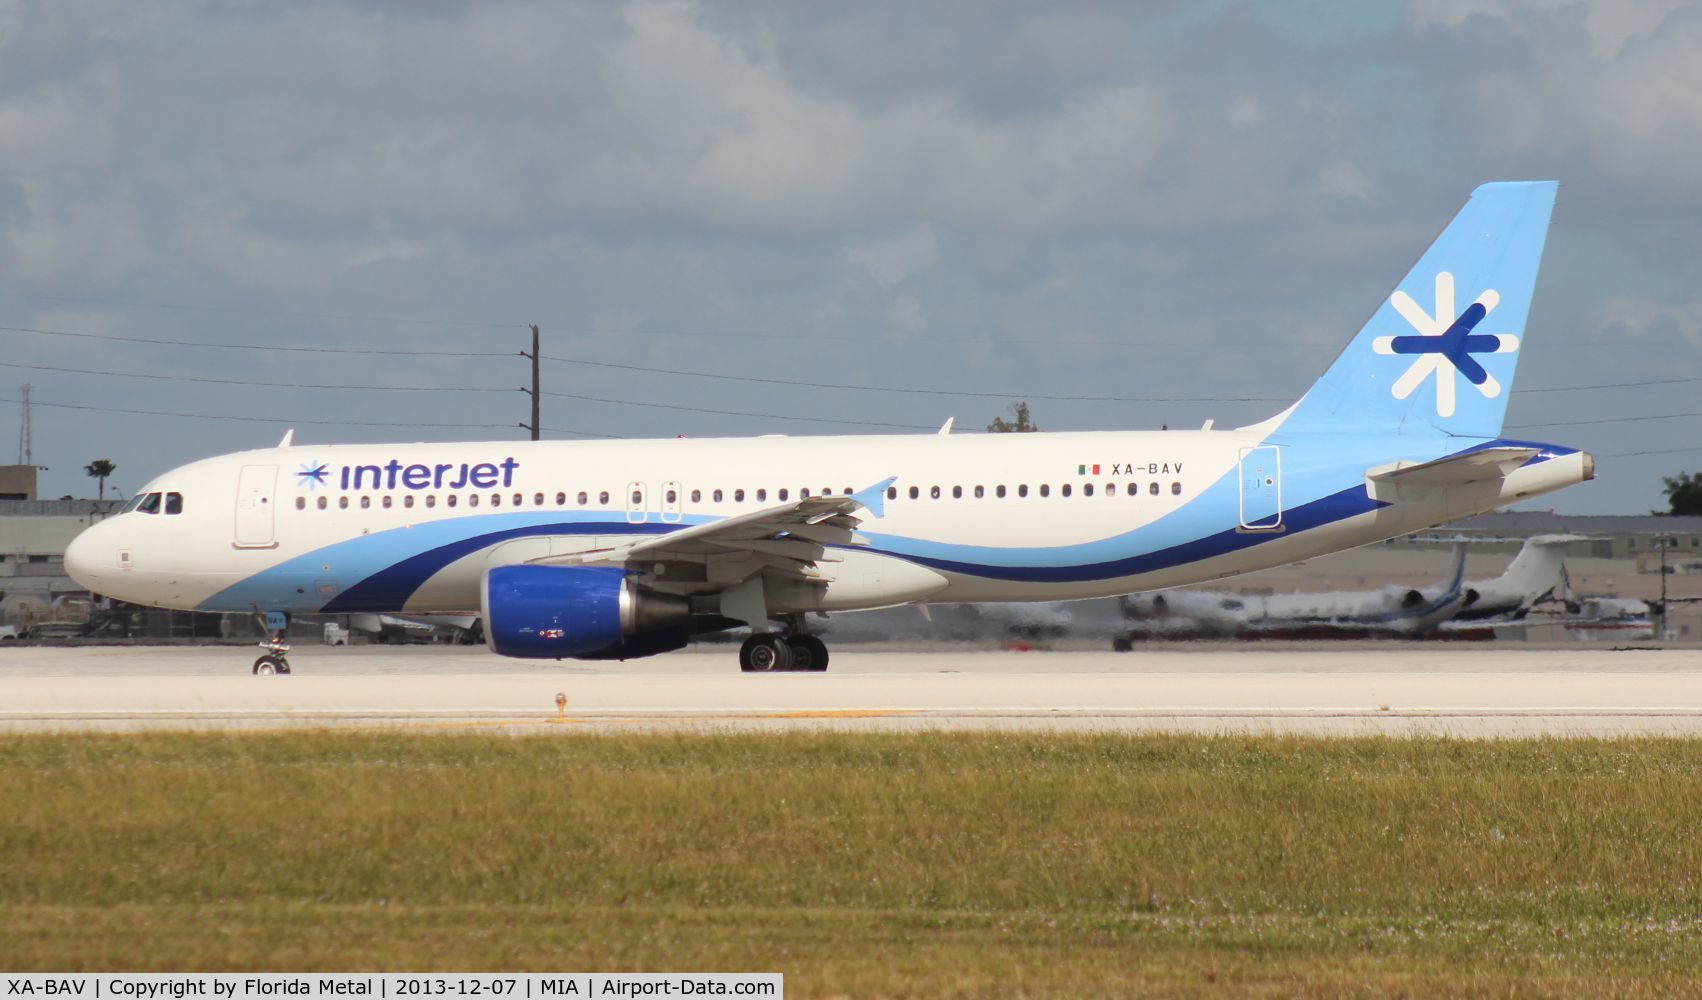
100,468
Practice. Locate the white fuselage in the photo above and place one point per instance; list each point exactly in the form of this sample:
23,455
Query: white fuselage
997,517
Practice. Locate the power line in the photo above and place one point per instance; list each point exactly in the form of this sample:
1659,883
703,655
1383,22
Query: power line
739,413
300,420
923,392
248,382
1614,385
256,347
1604,420
1653,451
454,388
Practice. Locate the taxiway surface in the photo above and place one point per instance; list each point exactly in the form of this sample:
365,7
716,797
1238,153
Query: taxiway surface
1374,688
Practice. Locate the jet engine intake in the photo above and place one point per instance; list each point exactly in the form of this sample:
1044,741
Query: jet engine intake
551,612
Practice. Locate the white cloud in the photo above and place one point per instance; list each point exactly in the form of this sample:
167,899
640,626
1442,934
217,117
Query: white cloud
898,258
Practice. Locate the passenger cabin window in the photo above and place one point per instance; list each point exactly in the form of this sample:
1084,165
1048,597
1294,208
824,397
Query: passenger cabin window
1175,489
386,502
957,493
1063,490
716,496
322,503
408,501
696,496
519,499
915,492
1153,489
892,493
782,494
431,500
761,495
496,499
738,496
603,498
300,503
473,501
1022,489
365,503
1134,489
451,500
538,500
1087,489
1045,489
999,491
343,503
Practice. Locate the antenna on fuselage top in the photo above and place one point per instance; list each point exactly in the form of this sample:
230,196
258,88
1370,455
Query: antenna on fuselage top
289,438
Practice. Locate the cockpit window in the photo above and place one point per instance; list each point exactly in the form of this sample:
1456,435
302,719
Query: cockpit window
174,503
150,504
133,503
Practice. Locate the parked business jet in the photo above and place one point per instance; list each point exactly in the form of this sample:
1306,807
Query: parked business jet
1413,612
617,549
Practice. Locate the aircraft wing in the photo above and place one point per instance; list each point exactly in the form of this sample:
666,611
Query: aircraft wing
1455,470
789,539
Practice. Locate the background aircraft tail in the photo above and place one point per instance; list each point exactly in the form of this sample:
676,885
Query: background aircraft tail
1438,355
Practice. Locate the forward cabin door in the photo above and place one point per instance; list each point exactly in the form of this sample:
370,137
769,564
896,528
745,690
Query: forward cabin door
637,503
1261,488
671,502
256,488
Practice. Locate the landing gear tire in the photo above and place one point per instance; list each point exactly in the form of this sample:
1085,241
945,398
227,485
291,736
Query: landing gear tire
1122,644
266,666
764,653
808,653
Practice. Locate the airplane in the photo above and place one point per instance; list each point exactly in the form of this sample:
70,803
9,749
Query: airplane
623,548
1412,612
1390,612
1537,570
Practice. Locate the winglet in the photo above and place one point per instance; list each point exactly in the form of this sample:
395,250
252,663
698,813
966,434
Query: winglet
873,498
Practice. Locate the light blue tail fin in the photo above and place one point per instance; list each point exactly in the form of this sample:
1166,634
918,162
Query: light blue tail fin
1439,354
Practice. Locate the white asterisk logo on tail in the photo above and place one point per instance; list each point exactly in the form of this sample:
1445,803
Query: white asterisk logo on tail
1445,344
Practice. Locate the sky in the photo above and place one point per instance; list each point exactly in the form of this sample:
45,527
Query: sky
816,218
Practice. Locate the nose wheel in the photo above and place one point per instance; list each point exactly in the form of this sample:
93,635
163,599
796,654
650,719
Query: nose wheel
269,664
272,661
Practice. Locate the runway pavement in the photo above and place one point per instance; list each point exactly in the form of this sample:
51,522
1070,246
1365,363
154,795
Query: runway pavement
1475,690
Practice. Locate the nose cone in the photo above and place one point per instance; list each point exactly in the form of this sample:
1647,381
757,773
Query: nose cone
81,561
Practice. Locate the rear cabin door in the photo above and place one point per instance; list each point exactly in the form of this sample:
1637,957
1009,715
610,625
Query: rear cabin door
256,489
1261,488
671,502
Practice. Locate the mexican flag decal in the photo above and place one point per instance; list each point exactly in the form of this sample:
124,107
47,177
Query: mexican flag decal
1082,470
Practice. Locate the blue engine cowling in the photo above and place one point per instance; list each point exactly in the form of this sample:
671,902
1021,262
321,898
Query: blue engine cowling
553,612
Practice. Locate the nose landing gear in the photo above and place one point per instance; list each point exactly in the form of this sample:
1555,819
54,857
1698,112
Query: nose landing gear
272,661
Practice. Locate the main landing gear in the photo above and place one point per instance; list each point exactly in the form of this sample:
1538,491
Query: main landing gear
770,651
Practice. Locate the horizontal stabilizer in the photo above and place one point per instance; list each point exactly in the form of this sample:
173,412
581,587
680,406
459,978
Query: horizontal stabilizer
1455,470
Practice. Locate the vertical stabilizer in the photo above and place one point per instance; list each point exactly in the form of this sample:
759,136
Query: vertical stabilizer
1438,355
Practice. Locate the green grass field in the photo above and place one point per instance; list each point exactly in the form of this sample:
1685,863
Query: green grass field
878,865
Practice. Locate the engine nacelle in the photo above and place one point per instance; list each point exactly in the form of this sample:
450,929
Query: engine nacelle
550,612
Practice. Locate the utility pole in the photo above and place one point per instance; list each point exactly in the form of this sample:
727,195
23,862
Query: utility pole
25,445
534,392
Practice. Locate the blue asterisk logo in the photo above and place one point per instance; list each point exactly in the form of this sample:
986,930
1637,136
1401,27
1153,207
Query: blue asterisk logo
311,475
1445,343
